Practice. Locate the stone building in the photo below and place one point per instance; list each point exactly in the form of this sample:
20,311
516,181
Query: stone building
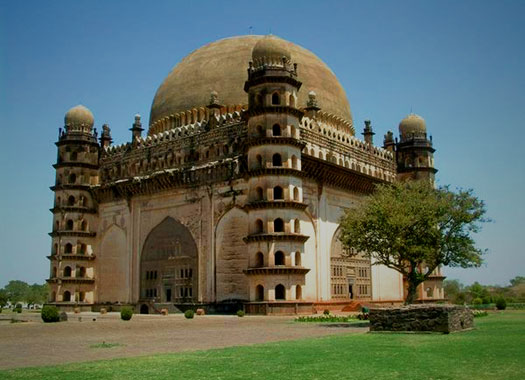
233,195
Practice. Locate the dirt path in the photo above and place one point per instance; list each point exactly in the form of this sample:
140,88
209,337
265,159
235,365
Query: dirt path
36,343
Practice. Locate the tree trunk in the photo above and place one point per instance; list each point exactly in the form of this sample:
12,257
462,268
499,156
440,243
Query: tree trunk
413,283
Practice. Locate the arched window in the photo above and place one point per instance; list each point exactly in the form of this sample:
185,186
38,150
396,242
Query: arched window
292,101
278,225
296,194
280,293
57,225
54,274
67,271
279,258
260,131
276,99
259,260
259,194
68,248
82,296
69,225
278,193
72,178
82,272
277,160
298,292
259,161
295,162
55,249
276,130
83,226
67,296
82,249
71,201
297,226
259,293
298,259
258,226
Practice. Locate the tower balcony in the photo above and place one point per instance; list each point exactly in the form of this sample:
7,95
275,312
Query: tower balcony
276,270
279,204
276,236
80,209
276,140
71,257
70,280
65,233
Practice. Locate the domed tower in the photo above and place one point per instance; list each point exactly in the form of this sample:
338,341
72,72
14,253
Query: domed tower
74,212
414,152
275,204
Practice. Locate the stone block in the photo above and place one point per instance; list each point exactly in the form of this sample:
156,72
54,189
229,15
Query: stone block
422,318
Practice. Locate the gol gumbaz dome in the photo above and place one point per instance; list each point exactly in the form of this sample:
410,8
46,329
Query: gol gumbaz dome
222,65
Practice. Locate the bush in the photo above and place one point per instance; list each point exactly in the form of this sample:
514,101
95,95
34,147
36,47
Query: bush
50,314
126,313
501,304
479,313
365,310
326,312
240,313
189,314
477,301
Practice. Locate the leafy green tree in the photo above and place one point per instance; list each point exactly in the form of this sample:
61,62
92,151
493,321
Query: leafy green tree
413,228
17,291
3,298
453,291
37,294
518,280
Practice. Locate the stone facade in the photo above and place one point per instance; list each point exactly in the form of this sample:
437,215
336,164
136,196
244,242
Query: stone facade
421,318
226,202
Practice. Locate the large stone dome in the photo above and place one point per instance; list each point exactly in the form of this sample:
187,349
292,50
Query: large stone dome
222,66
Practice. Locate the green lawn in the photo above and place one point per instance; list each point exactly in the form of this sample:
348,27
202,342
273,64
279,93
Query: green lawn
494,350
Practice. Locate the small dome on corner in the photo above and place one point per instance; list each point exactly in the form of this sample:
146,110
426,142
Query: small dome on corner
271,47
79,116
412,124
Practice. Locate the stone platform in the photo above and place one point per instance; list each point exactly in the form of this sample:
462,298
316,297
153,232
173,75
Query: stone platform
422,318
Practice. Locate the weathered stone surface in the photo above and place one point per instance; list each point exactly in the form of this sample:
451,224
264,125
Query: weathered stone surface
434,318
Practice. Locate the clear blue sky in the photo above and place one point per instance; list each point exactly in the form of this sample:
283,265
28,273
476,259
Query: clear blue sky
459,64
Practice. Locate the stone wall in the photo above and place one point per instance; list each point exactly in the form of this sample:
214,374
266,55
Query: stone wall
434,318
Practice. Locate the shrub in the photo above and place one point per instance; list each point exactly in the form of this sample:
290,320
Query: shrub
501,304
479,313
240,313
126,313
62,316
477,301
365,310
189,314
50,314
326,312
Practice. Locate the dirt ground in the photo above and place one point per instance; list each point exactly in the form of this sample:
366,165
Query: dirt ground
35,343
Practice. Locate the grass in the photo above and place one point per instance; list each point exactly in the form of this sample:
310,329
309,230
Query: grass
494,350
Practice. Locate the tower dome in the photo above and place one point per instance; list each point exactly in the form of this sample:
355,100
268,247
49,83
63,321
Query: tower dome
79,116
412,124
221,66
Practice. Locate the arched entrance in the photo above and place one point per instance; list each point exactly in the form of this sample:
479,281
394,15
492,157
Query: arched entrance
144,309
169,264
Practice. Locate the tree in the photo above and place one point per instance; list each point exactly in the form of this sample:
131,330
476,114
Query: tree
17,291
3,298
454,291
413,228
517,281
37,294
